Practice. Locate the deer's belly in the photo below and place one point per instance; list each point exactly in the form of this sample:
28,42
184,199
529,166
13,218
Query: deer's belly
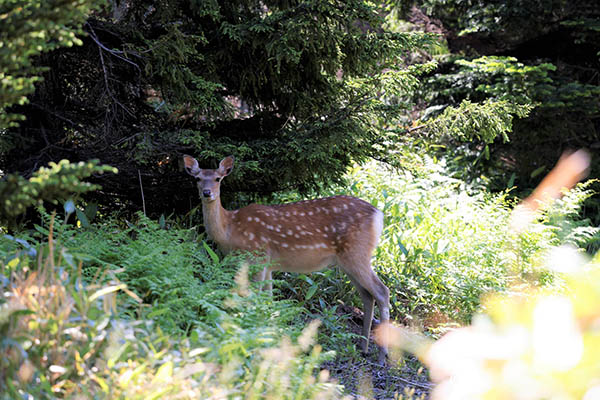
304,263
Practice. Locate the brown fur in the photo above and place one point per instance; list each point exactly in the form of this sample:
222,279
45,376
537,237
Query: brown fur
302,237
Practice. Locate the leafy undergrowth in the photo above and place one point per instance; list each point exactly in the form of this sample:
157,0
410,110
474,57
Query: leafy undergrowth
444,246
72,327
134,310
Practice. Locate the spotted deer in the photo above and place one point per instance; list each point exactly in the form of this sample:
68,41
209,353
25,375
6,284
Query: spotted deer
305,236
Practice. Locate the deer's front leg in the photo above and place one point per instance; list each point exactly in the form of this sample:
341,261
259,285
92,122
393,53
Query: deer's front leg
265,275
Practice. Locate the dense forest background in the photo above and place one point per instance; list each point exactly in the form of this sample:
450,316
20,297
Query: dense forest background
298,91
444,114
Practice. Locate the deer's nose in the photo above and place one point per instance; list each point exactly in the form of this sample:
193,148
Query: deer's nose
206,193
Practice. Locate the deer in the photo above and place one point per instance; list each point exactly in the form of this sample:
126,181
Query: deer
303,237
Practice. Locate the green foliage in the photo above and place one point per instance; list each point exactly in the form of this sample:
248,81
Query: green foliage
291,89
63,332
551,108
504,78
514,22
478,121
30,28
57,182
445,245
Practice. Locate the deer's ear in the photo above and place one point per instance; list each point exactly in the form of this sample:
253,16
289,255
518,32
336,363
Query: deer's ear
191,165
225,166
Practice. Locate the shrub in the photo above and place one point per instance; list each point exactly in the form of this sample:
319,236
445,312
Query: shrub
57,182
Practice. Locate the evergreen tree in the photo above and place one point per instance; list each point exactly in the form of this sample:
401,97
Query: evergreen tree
544,54
31,28
290,88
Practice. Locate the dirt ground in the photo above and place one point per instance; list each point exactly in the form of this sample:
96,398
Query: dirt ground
364,378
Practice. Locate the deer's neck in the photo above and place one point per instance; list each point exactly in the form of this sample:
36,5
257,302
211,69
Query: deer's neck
217,223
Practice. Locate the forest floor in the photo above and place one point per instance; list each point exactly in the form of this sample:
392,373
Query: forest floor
364,378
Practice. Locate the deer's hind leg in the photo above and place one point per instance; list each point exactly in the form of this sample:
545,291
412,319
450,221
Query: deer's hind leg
370,289
368,309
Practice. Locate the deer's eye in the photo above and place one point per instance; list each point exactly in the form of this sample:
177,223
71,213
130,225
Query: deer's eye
218,179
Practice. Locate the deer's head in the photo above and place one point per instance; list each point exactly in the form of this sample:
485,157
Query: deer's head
208,180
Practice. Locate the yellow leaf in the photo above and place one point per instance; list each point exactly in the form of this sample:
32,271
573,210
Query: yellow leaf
164,373
106,290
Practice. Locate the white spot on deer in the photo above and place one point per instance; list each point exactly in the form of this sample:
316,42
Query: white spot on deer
298,228
270,227
332,228
302,214
310,213
297,236
295,212
325,235
335,209
251,236
326,229
276,241
345,206
249,218
278,229
264,239
289,232
287,213
318,230
256,219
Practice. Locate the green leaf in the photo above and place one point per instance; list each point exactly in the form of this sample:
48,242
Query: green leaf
91,210
403,249
82,218
311,292
538,171
511,181
158,312
164,373
211,253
